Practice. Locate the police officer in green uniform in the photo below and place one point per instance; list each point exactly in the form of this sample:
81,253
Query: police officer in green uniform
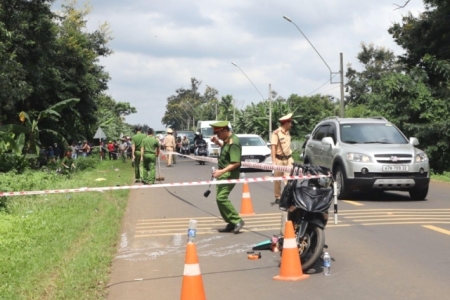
229,163
149,153
136,153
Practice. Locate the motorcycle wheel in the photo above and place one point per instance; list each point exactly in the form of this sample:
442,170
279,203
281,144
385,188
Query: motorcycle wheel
314,244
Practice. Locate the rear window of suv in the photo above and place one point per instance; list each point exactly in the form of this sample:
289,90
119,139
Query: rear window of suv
371,133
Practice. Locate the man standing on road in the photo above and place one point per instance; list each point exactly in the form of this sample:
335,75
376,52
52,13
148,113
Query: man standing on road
281,151
229,164
149,153
136,146
123,149
169,145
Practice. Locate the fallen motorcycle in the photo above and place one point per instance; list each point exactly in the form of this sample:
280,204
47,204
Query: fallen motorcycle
306,202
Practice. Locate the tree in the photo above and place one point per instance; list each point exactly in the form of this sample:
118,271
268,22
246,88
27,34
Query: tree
376,62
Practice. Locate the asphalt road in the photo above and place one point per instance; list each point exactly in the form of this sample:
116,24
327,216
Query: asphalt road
383,247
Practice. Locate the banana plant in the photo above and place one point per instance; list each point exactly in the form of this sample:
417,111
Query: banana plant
30,126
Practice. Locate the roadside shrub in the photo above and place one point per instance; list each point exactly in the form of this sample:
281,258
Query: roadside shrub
86,163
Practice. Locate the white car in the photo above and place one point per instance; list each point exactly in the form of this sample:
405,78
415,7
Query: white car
254,149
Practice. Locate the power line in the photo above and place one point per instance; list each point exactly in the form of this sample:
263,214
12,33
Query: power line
322,85
330,89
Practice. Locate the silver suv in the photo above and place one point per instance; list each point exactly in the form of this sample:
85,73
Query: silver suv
368,154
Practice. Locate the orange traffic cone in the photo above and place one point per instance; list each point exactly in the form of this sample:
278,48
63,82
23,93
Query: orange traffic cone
192,287
291,268
246,204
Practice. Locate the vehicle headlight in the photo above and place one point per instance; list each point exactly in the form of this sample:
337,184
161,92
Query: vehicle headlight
358,157
421,157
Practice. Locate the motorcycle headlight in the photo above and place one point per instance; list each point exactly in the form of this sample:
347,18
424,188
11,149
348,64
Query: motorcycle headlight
421,157
358,157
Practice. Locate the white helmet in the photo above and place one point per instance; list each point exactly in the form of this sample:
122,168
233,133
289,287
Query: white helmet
197,133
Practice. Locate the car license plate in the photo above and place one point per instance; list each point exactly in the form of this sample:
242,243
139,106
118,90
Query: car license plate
215,151
395,168
252,160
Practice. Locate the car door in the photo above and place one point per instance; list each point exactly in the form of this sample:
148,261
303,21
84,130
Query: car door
327,151
315,144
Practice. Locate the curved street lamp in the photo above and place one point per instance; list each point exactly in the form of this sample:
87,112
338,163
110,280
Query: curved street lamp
341,72
270,98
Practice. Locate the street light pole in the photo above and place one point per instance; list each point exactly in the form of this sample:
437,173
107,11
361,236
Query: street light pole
341,71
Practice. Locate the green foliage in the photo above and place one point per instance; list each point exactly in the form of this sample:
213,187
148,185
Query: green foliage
46,241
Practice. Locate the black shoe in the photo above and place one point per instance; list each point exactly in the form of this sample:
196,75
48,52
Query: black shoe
229,228
238,226
276,202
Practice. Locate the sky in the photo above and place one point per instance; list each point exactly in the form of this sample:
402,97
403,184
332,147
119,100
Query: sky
160,45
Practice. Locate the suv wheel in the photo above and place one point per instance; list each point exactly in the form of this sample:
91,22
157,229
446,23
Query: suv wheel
340,180
418,194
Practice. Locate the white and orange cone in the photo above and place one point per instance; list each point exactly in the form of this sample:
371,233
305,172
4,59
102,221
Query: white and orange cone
246,204
192,287
291,268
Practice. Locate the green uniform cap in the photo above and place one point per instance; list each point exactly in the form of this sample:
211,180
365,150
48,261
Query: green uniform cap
220,124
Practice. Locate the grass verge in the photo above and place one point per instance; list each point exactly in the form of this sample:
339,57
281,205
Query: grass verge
61,246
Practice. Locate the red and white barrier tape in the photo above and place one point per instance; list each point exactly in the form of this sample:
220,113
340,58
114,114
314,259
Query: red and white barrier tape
193,183
284,169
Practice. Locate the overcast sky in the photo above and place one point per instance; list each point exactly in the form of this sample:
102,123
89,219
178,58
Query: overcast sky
159,45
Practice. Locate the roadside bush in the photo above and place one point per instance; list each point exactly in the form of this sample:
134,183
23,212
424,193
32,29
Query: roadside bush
86,163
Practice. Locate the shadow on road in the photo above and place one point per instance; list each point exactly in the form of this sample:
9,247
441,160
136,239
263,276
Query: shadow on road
378,196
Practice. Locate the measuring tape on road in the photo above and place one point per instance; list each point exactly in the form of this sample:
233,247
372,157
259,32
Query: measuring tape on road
278,168
175,184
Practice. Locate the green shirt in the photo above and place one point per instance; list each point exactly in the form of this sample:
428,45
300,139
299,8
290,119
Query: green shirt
150,144
230,153
68,161
137,140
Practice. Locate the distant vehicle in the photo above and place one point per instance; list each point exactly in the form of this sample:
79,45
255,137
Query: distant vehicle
254,149
190,136
369,154
204,127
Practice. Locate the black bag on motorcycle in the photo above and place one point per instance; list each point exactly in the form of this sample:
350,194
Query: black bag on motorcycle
312,199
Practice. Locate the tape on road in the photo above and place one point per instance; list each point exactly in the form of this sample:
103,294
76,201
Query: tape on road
269,167
175,184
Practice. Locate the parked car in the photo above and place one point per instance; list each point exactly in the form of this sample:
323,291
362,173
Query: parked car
254,149
369,154
190,135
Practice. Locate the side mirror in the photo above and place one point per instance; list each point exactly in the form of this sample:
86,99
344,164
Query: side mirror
328,141
413,141
307,136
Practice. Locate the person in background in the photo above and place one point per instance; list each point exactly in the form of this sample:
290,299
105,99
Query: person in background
74,149
57,151
123,149
178,148
136,146
149,153
110,148
80,148
50,154
281,151
169,146
85,148
185,143
129,147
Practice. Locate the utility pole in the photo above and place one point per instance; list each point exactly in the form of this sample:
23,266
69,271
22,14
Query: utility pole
234,112
342,86
270,111
216,109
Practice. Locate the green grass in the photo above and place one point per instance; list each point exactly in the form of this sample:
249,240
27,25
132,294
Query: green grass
444,177
61,246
